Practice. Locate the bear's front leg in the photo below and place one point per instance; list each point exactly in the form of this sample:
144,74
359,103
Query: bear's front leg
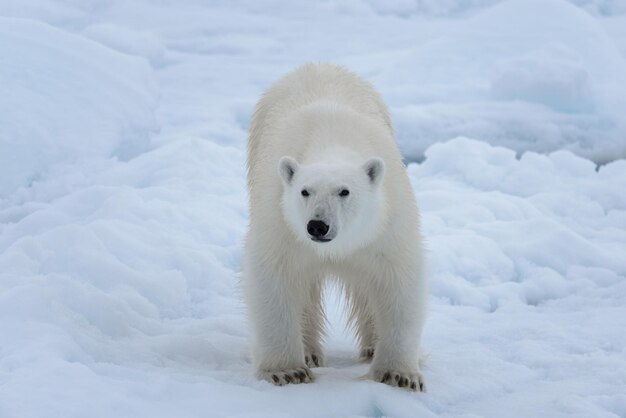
399,317
313,326
275,311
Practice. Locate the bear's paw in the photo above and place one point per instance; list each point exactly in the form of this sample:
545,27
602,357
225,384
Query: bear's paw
286,376
412,381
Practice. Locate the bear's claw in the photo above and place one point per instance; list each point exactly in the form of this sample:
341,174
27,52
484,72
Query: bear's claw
284,377
410,381
314,360
366,354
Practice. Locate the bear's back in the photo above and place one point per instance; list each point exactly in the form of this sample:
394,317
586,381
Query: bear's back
306,85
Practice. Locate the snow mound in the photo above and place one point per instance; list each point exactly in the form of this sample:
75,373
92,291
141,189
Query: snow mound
128,41
455,8
602,7
526,230
63,97
121,263
427,7
552,76
526,254
517,77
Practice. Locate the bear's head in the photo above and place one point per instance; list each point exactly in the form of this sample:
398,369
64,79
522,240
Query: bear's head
334,207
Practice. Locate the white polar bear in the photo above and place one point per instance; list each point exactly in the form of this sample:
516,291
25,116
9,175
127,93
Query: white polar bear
330,198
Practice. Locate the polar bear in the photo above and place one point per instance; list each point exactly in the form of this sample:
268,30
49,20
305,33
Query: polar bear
330,198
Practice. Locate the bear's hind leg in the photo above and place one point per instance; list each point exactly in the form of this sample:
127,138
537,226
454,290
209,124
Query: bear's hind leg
362,320
367,337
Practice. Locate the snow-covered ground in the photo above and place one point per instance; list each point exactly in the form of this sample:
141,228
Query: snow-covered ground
123,203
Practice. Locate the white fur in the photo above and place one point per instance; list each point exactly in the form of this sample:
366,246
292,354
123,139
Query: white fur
323,129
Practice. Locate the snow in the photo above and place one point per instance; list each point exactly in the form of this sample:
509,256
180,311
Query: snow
109,113
123,203
547,81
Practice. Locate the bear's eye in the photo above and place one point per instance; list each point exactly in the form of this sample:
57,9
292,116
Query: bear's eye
344,193
304,192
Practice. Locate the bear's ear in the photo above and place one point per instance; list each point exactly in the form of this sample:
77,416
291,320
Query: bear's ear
287,168
375,170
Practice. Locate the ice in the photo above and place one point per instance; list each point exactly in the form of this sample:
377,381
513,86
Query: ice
123,203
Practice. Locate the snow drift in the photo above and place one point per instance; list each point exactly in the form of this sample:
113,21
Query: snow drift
63,97
530,75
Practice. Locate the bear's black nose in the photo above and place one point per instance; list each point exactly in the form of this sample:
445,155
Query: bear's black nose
317,229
